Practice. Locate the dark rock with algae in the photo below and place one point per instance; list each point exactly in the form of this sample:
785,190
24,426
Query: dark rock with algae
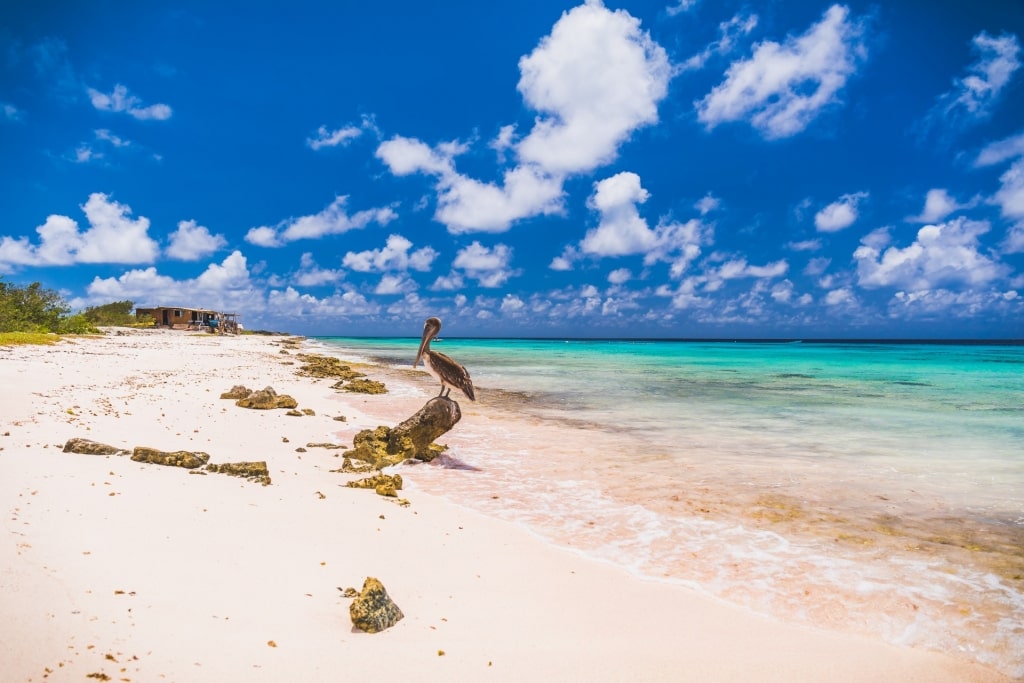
236,392
254,471
373,610
384,484
385,446
266,399
92,447
187,459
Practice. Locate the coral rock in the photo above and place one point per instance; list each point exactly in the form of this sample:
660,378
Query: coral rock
392,481
238,391
315,365
414,437
187,459
266,399
255,471
92,448
374,610
363,386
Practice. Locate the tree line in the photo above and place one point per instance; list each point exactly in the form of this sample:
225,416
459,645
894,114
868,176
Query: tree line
33,308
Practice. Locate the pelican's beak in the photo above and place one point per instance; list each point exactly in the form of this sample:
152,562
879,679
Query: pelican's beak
423,348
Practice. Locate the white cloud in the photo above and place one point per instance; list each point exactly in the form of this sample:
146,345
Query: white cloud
107,136
680,7
489,267
707,204
9,113
121,101
839,214
448,283
512,304
332,220
1001,150
224,286
312,275
621,230
947,303
394,256
112,237
595,79
620,276
938,204
333,138
837,297
395,284
782,88
729,32
191,242
941,254
974,95
1010,196
1014,241
737,268
805,245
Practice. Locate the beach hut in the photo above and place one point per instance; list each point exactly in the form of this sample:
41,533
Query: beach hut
184,318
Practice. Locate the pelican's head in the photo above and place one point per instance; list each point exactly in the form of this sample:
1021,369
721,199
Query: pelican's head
430,330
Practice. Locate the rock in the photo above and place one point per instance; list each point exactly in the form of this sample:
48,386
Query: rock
340,418
363,386
254,471
383,484
187,459
308,411
325,444
238,391
415,436
294,413
92,448
266,399
374,610
315,365
371,446
348,466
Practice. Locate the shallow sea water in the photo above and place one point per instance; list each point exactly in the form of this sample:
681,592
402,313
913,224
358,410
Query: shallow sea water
874,488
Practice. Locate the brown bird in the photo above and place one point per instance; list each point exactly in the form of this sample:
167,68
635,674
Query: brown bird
449,372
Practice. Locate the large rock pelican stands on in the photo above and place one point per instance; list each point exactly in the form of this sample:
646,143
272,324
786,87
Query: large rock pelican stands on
449,372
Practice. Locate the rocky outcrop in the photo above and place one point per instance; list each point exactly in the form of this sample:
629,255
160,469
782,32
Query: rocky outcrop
187,459
92,448
254,471
315,365
266,399
384,484
374,610
415,436
362,386
238,391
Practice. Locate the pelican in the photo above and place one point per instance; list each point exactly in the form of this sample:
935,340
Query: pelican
451,373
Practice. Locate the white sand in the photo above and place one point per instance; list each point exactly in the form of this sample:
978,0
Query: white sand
150,573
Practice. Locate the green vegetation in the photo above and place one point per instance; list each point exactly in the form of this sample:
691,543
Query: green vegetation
116,314
16,338
34,313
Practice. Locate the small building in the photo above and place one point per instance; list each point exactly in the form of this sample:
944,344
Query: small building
181,318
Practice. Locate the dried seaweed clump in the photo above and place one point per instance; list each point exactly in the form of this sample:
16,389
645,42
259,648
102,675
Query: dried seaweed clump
253,471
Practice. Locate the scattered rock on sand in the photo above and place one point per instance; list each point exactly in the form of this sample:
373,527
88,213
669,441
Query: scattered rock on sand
373,611
315,365
362,386
266,399
384,484
238,391
254,471
187,459
92,448
412,438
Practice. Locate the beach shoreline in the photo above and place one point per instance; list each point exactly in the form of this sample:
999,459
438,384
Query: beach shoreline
141,572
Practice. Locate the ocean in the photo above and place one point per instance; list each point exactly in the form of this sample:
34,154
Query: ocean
869,487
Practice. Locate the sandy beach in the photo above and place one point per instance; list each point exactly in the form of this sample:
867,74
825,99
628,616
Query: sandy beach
112,569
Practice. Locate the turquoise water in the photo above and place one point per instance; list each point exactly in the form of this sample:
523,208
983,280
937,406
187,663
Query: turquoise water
872,487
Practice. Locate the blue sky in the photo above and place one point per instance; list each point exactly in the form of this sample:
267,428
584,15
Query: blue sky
684,168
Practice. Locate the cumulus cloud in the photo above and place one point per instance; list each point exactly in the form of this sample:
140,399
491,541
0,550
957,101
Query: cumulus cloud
120,100
938,204
112,237
333,220
394,256
1014,241
489,267
1010,196
593,81
940,255
621,230
782,88
312,275
191,242
839,214
974,96
223,286
1001,150
620,276
681,6
707,204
